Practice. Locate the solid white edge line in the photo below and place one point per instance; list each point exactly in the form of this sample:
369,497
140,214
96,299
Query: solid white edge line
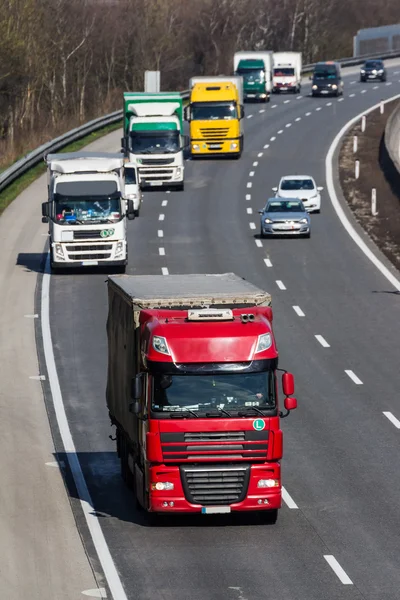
92,521
322,341
337,206
288,500
392,419
298,311
353,376
337,569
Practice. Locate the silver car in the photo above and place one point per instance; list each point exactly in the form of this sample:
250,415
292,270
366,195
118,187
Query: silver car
284,216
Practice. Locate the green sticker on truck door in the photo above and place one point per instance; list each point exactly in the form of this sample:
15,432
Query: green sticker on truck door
259,424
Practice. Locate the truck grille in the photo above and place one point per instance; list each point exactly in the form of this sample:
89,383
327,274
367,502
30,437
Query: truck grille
73,256
215,134
87,235
157,161
215,485
219,445
156,174
90,248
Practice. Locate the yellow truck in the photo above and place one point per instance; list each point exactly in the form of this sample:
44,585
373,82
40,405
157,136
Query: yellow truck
215,114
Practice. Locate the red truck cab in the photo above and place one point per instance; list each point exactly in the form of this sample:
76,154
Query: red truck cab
193,391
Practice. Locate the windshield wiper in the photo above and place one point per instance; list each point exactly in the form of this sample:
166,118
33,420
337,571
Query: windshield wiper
217,412
247,409
180,415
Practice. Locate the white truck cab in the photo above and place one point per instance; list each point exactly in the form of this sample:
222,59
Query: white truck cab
287,72
86,210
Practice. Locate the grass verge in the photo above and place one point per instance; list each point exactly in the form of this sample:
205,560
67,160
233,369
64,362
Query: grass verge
14,189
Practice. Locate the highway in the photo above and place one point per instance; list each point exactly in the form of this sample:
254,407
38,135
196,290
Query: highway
336,321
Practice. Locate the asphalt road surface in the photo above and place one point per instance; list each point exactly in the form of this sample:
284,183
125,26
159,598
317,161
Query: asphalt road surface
336,321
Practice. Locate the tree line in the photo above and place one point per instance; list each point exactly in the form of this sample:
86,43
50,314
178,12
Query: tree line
63,62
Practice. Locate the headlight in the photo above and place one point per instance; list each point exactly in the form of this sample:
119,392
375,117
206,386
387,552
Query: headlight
234,145
362,70
59,250
178,173
119,249
314,87
160,344
374,72
380,71
195,147
268,483
303,221
264,342
334,86
268,221
161,486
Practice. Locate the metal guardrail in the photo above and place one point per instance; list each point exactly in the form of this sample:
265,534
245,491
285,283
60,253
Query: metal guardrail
33,158
392,137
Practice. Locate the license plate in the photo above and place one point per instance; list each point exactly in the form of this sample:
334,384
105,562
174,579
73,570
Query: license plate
324,91
90,263
250,95
215,146
155,182
284,227
371,76
214,510
284,89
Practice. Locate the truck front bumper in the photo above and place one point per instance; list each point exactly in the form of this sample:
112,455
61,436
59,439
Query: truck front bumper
225,147
89,254
254,498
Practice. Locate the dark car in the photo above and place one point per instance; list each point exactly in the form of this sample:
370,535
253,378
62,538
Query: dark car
372,70
284,216
327,80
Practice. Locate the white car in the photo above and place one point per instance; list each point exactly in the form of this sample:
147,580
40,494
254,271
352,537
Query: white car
132,187
302,187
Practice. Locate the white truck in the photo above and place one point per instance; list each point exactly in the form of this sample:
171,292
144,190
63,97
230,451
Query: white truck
256,70
153,137
87,210
287,72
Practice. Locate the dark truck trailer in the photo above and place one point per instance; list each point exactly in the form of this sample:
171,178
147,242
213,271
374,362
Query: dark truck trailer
193,394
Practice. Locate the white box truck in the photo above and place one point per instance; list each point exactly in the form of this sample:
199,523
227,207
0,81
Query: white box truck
256,70
87,210
287,72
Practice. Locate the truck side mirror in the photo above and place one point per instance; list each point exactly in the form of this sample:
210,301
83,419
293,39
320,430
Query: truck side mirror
290,404
274,189
130,212
288,384
243,114
136,388
186,113
123,144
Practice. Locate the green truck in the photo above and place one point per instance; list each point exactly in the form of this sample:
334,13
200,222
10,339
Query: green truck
153,137
256,70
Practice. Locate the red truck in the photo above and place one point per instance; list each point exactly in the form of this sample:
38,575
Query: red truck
192,390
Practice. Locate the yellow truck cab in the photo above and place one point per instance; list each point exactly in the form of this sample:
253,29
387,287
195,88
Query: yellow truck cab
215,113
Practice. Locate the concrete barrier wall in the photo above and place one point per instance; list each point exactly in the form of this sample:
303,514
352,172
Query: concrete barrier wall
392,137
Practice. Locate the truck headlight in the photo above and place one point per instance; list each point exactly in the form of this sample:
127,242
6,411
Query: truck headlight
195,146
160,345
314,87
380,71
268,483
131,196
264,342
334,86
59,250
178,173
363,71
234,146
162,486
119,249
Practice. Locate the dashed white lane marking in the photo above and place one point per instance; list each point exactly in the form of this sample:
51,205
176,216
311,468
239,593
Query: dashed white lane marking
261,110
251,174
353,377
164,270
274,106
249,211
266,146
299,97
268,262
248,196
164,203
288,124
280,131
298,119
249,116
161,251
286,101
160,233
337,569
298,311
31,316
161,217
396,72
318,108
308,114
96,593
329,104
375,87
340,99
353,82
249,184
92,521
363,91
259,243
392,419
272,139
252,225
288,500
37,377
280,284
322,341
255,163
351,95
389,83
260,154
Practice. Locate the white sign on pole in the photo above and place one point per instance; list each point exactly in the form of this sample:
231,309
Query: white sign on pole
152,81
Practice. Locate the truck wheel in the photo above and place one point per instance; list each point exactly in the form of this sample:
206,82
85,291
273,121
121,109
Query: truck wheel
269,517
181,188
137,213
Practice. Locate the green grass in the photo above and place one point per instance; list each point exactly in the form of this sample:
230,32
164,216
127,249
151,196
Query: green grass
14,189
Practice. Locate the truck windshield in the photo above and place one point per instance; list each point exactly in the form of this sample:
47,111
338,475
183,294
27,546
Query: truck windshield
252,75
92,209
286,72
230,392
210,111
160,142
